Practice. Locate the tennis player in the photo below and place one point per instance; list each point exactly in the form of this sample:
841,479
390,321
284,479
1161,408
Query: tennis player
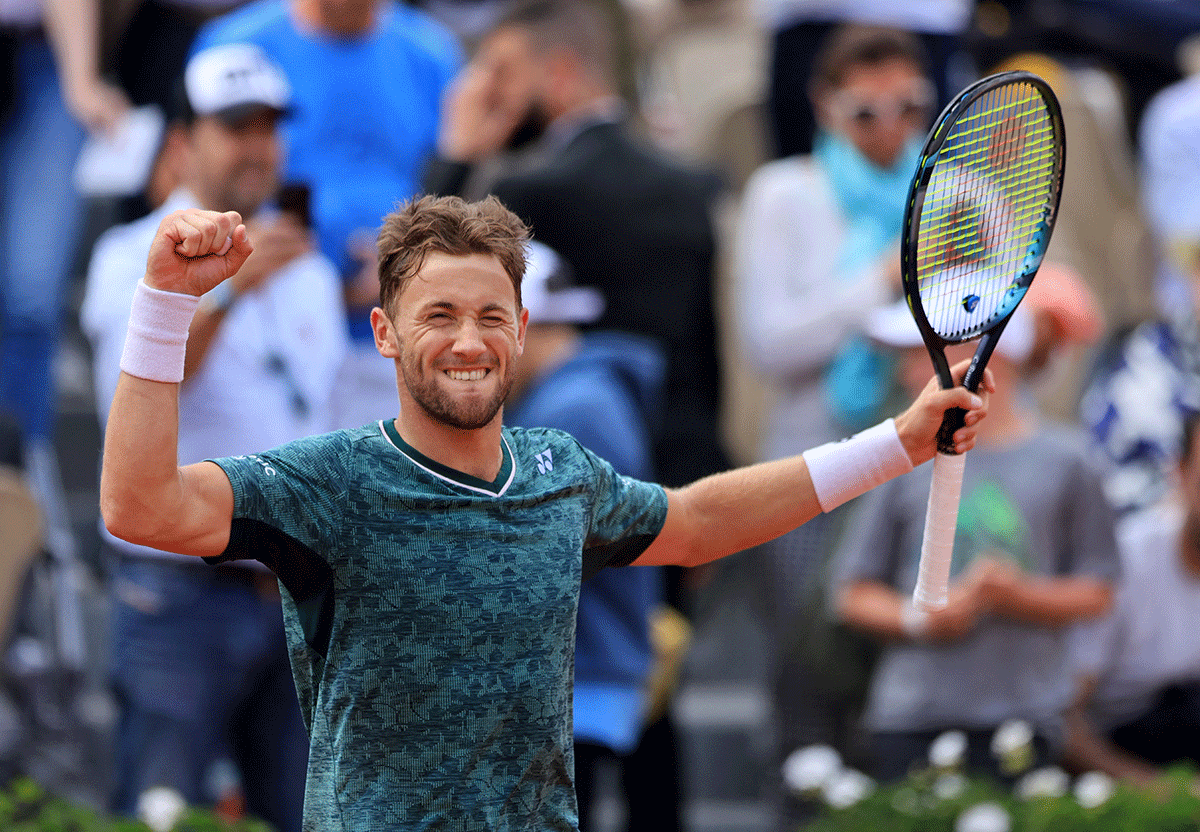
430,564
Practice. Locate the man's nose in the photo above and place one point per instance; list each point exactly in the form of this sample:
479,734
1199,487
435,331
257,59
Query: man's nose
468,340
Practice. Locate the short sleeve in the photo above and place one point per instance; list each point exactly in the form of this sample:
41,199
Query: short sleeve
297,489
627,515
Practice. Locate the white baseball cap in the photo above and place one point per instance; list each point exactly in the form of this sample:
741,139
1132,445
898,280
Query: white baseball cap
231,80
550,296
893,326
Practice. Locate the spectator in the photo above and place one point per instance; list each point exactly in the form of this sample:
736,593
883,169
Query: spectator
604,388
1035,552
1148,379
1138,708
629,222
368,79
199,657
818,249
799,27
50,63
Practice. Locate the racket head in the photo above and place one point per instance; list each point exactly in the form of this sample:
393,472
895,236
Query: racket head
981,208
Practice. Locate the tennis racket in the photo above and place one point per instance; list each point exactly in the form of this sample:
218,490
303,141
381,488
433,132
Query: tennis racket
981,209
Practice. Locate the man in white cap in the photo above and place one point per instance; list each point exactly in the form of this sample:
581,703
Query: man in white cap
1035,552
201,667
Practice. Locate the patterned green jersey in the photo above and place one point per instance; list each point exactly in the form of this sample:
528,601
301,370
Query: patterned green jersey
431,618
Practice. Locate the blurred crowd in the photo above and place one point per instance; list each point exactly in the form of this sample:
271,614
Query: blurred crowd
716,191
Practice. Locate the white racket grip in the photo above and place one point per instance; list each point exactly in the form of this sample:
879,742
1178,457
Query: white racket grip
941,521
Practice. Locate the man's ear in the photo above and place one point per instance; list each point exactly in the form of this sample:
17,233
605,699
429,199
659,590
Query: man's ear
385,334
522,325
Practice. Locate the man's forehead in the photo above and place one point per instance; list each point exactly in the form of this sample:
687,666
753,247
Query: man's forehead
453,277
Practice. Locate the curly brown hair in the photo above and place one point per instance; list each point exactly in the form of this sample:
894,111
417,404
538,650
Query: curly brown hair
451,225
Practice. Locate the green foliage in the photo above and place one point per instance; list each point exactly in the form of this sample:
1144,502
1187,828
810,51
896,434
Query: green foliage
26,807
921,803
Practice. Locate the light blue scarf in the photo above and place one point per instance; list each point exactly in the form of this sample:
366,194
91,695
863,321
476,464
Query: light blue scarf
859,378
871,198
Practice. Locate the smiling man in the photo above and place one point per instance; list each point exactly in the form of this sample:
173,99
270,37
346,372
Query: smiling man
431,563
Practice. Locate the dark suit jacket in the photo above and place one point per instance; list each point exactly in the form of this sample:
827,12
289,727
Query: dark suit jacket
639,227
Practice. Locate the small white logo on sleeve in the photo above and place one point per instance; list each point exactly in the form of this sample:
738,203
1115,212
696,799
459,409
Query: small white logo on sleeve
545,463
267,469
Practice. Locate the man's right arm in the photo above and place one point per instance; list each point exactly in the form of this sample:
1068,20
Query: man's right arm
145,497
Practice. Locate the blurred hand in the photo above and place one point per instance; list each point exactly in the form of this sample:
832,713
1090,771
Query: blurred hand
959,617
482,111
95,104
194,250
277,241
993,578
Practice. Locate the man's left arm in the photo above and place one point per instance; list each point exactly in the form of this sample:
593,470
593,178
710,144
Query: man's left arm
736,510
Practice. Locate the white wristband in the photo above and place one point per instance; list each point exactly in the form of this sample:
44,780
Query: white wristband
841,471
156,341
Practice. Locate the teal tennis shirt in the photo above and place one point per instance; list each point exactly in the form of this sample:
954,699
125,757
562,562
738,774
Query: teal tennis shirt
431,618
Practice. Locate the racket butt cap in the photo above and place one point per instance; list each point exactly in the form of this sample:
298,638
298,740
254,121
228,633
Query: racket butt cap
929,604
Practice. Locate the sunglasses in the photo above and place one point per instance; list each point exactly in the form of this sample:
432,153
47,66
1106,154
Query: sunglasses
915,108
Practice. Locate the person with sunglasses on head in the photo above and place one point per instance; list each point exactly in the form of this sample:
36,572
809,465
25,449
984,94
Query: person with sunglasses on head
818,249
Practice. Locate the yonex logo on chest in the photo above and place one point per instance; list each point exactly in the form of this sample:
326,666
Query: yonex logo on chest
545,463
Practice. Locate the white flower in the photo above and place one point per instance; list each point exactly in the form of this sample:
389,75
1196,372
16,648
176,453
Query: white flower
949,786
1012,745
983,817
160,808
1012,735
808,769
948,750
1093,789
1049,781
846,788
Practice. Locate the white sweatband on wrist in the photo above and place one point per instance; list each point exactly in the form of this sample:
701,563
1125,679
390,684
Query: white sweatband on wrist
843,470
914,621
156,341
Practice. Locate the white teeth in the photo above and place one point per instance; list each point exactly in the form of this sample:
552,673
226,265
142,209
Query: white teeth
463,375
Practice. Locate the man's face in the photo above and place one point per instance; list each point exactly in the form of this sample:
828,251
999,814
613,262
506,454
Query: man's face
235,166
456,332
517,80
879,108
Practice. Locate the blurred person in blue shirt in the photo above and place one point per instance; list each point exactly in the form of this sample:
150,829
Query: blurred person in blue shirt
368,77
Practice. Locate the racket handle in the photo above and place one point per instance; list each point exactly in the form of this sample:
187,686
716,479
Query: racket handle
941,521
952,420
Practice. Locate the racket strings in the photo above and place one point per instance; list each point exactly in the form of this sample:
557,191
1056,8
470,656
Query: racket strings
983,209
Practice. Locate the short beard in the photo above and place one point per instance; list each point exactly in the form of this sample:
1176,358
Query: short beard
443,408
